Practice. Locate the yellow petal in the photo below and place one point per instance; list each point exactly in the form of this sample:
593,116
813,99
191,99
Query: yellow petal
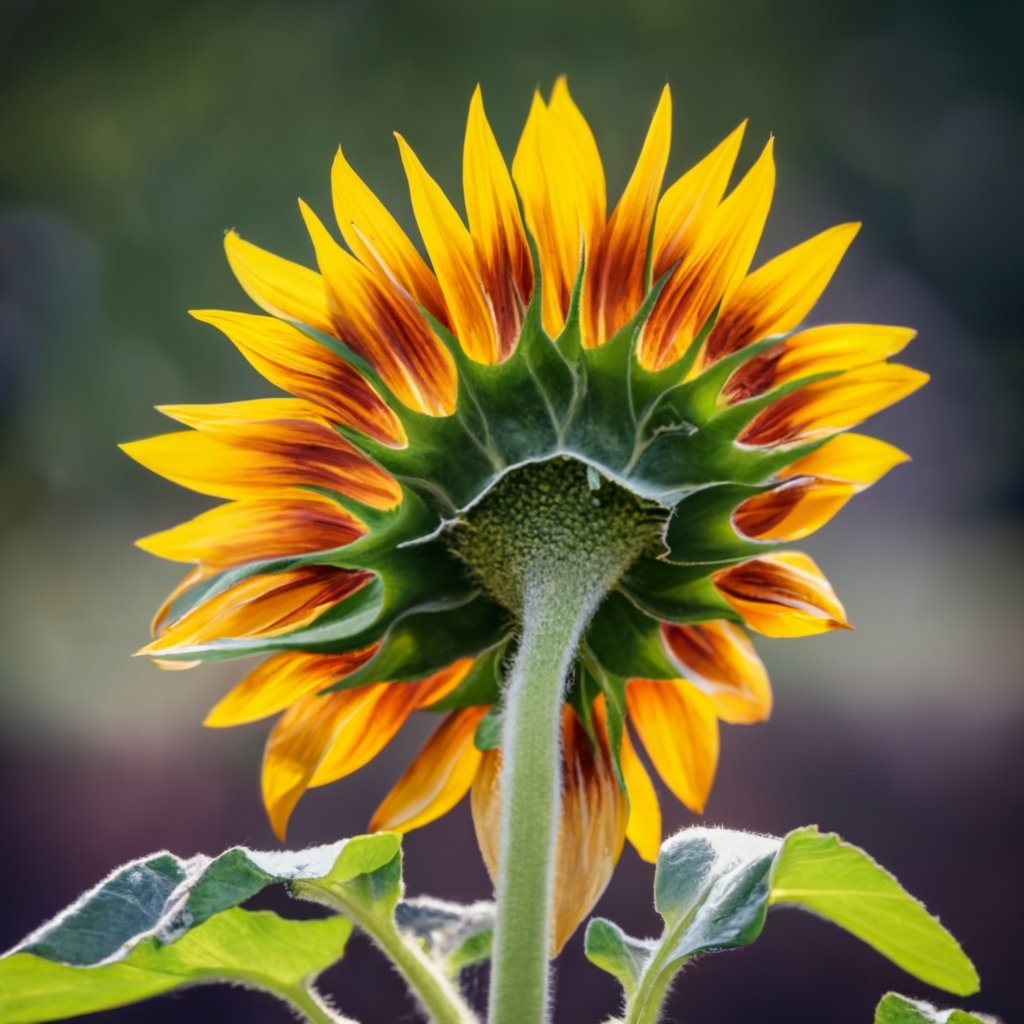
492,210
438,778
644,828
615,282
778,295
782,595
277,285
279,682
833,404
793,510
678,727
719,659
373,234
854,458
708,275
686,205
452,253
297,364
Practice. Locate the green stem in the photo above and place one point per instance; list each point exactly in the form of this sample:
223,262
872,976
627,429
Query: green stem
646,1005
313,1006
555,610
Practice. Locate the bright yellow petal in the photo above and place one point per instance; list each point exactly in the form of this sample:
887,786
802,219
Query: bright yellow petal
718,658
778,295
615,282
438,778
452,253
277,285
793,510
644,828
782,595
853,458
678,727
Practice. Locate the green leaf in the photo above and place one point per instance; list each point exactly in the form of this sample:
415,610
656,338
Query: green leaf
896,1009
610,948
258,950
457,936
844,885
627,642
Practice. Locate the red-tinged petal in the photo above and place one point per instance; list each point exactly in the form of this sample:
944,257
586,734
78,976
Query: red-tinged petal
678,727
853,458
616,277
718,658
305,368
281,680
777,296
277,285
374,235
382,323
793,510
710,272
782,595
438,778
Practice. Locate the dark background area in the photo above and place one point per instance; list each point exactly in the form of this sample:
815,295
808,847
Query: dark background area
132,136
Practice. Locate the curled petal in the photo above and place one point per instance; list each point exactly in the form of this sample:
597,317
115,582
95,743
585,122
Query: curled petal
591,831
438,778
719,659
793,510
854,458
778,295
678,727
782,594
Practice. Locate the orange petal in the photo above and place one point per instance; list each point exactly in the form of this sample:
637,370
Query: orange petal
196,575
684,209
782,594
592,825
854,458
710,272
260,606
778,295
280,287
289,523
833,404
492,209
280,681
453,255
678,727
375,237
793,510
381,323
303,367
719,659
616,278
438,778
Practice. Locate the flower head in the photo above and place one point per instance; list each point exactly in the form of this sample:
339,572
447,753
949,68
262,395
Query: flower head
622,383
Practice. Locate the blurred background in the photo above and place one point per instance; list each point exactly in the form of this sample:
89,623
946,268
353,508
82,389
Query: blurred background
133,135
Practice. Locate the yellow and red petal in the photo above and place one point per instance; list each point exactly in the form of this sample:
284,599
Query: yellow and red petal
381,323
854,458
718,658
616,276
684,209
438,778
278,286
279,681
373,234
714,266
782,595
678,727
777,296
792,510
492,209
296,363
834,404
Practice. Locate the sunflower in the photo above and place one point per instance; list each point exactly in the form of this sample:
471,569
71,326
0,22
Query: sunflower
616,399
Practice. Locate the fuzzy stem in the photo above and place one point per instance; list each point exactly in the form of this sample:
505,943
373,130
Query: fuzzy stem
554,615
313,1007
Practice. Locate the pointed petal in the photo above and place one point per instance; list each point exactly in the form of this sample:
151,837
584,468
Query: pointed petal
196,575
492,209
383,325
616,278
793,510
782,595
854,458
678,727
279,682
644,828
438,778
453,255
373,234
714,266
719,659
684,209
296,363
777,296
277,285
833,404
